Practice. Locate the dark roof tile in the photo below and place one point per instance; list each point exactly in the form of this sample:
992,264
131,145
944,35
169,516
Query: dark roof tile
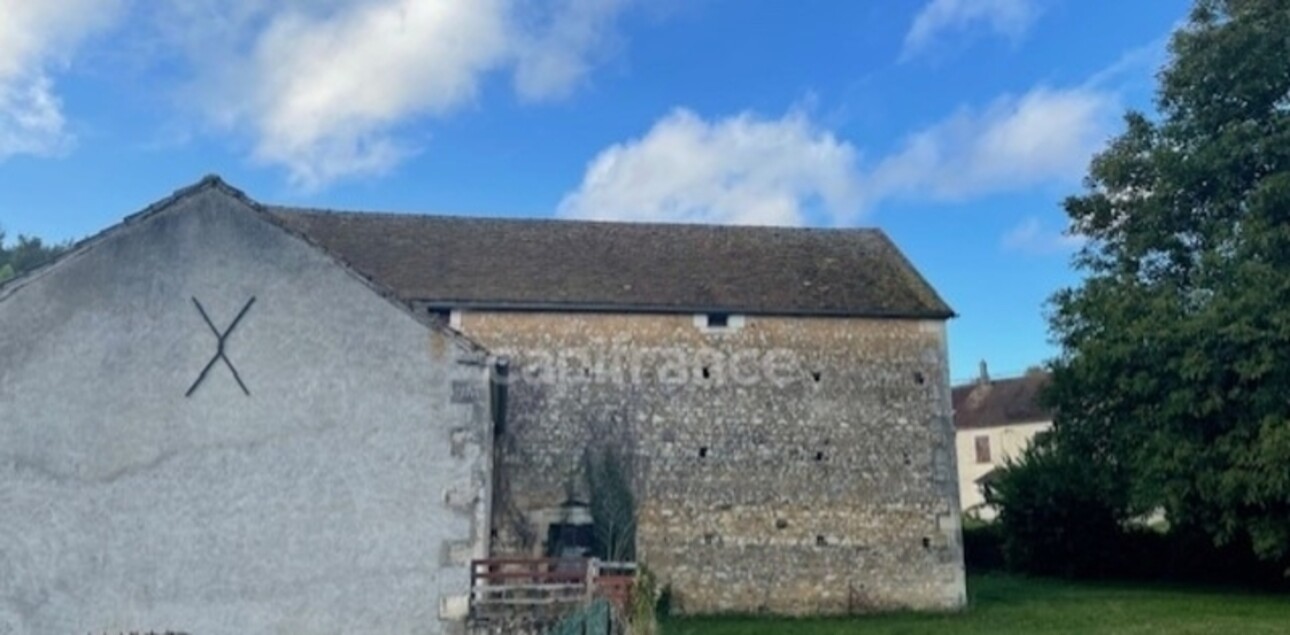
1001,402
588,265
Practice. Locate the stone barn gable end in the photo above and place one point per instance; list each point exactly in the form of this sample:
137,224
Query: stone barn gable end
781,396
327,469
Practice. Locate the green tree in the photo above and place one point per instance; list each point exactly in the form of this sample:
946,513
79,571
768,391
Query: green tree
1175,365
26,254
1056,515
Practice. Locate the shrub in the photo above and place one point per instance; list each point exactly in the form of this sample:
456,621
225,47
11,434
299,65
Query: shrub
1060,515
612,505
643,607
983,547
1189,555
1056,516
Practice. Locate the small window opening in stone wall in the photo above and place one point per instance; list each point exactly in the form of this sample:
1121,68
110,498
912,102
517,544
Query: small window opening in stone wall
780,523
569,540
703,452
709,539
445,316
816,375
707,372
719,322
982,449
919,378
819,456
821,541
570,530
927,542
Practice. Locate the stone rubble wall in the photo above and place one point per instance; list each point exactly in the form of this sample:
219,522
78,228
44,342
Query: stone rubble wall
789,465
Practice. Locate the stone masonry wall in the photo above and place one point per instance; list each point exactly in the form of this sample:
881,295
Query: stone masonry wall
787,465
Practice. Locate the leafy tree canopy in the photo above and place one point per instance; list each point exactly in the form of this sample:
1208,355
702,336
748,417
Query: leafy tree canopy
26,254
1174,376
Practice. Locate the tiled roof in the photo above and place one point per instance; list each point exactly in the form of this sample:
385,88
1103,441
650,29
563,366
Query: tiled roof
984,404
455,261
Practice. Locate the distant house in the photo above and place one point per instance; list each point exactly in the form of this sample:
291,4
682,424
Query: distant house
994,420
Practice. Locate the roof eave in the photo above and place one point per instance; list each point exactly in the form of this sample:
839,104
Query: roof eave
611,307
1003,424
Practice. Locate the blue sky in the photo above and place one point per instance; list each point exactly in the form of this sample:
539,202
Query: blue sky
955,125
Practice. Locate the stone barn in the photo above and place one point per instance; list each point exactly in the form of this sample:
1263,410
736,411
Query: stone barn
227,417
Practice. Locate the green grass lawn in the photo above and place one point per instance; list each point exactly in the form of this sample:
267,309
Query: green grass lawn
1007,605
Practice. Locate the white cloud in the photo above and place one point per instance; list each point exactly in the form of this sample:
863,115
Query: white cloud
321,87
791,171
1137,67
324,86
1043,136
738,170
1031,237
323,93
1008,18
34,38
556,55
31,119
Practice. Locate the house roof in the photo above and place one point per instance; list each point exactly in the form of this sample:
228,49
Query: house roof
504,263
996,402
213,183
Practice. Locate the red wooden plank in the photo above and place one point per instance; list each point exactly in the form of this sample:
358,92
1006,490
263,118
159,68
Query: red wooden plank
562,576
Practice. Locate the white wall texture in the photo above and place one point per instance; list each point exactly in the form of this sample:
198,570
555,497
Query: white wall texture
344,495
1006,442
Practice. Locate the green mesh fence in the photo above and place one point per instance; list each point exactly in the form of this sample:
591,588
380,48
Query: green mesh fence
593,619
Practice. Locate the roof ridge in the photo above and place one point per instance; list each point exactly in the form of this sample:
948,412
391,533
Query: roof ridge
209,181
1025,376
291,209
523,263
215,182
